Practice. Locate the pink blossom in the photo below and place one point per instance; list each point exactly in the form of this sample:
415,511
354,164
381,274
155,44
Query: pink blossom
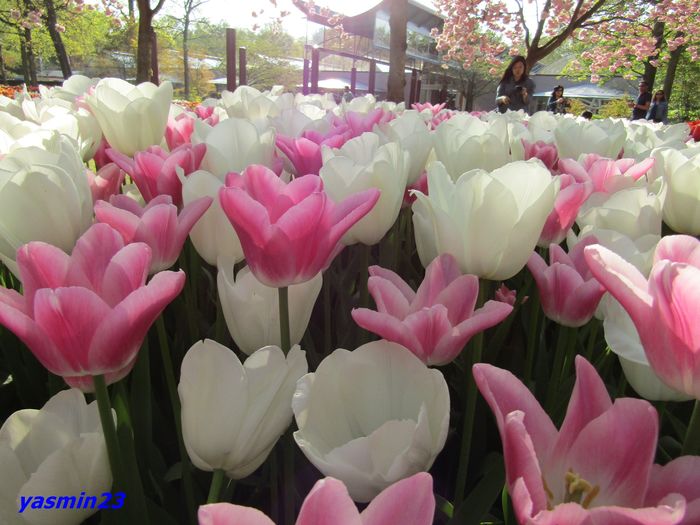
436,321
106,182
87,313
289,232
504,294
406,502
158,224
597,468
567,204
664,308
155,171
544,151
568,291
606,175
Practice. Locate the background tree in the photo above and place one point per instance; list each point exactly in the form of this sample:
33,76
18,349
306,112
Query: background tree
398,20
145,38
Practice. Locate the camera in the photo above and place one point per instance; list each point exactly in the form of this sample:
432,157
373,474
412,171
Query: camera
519,88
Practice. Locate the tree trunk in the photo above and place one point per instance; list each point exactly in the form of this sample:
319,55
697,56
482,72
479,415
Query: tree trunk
28,59
186,54
649,69
671,70
51,21
143,48
3,72
398,19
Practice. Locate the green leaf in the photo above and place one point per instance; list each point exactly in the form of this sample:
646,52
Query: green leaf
480,500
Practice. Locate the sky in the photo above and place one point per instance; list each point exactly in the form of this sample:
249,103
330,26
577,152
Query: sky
238,13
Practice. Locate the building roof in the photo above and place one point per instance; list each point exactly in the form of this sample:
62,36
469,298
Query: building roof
588,91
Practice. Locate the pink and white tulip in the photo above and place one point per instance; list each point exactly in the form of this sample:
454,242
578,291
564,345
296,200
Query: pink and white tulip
606,175
544,151
598,468
158,224
87,313
664,308
106,182
568,291
569,200
406,502
437,321
155,171
289,232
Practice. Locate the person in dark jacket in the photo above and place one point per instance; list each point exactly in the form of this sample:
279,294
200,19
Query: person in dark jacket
557,103
641,105
516,87
658,111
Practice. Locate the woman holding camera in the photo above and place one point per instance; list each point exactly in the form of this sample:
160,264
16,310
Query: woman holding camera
557,103
516,87
658,110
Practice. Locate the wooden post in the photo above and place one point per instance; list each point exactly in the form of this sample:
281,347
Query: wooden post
353,79
412,91
231,59
242,66
372,76
418,87
315,59
305,78
154,58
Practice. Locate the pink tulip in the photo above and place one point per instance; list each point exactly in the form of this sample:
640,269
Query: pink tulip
406,502
420,185
504,294
101,159
106,182
158,224
544,151
569,200
434,108
437,321
154,170
665,309
87,313
305,153
607,175
178,130
288,232
597,469
360,123
568,291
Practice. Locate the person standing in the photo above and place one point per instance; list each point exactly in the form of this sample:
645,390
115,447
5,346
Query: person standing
641,105
347,94
557,103
658,110
516,87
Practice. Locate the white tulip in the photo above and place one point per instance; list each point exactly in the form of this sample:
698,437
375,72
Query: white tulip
213,235
372,417
362,164
132,118
250,104
44,196
251,309
490,222
681,172
575,137
634,212
464,143
411,133
234,144
233,413
56,451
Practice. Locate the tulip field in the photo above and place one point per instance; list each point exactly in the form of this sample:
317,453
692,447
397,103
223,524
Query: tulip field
269,308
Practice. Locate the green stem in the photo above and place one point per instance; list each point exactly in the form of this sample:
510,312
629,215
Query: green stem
274,487
532,336
468,424
692,435
110,432
217,480
285,338
289,483
557,367
570,352
327,341
175,403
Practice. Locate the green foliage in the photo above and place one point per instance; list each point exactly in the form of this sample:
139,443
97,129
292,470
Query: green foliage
576,106
685,98
617,108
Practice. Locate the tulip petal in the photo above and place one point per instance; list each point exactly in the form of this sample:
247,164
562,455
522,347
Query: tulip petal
388,297
228,514
328,503
393,278
680,476
409,501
